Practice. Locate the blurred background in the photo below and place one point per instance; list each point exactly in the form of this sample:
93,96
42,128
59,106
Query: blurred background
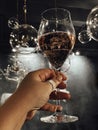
79,13
83,73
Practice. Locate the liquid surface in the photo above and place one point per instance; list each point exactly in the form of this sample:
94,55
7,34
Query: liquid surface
56,46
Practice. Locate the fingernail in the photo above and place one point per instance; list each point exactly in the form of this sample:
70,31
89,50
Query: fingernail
60,108
59,78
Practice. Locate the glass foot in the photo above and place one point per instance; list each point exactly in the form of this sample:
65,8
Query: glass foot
58,118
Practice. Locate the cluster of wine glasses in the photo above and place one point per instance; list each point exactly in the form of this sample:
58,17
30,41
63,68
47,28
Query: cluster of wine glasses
91,30
23,39
55,39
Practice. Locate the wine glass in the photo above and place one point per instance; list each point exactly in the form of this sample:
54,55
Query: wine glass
92,23
56,38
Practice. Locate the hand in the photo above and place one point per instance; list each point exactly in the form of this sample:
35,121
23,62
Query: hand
43,90
32,94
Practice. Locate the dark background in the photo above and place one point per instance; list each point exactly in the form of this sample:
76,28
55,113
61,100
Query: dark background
9,8
83,74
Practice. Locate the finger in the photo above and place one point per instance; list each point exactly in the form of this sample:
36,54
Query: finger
54,82
42,74
31,114
62,85
59,95
62,74
46,74
51,107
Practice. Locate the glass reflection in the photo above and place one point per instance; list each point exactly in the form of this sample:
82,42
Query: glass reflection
24,39
92,23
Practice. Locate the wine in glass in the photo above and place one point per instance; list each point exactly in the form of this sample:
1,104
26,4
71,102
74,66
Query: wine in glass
56,39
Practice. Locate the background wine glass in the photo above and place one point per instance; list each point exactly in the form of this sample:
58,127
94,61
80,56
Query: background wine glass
56,38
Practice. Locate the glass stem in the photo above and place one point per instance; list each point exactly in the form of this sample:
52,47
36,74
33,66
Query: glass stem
58,112
58,101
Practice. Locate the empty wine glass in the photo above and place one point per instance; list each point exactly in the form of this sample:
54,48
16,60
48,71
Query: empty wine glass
92,23
56,38
84,37
24,39
13,23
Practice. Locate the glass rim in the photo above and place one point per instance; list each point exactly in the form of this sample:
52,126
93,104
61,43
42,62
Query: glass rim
51,9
